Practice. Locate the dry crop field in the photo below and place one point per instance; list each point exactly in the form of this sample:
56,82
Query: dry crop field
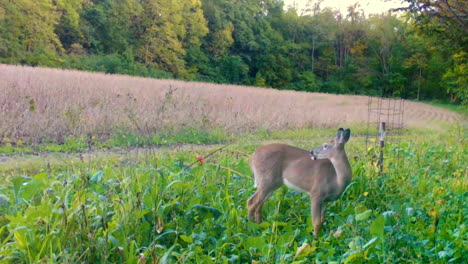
38,104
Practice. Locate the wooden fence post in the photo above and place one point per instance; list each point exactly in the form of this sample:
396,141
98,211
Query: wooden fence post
382,145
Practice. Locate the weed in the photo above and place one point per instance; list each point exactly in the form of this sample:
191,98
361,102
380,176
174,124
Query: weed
151,208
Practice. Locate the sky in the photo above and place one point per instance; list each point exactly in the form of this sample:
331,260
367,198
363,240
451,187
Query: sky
369,6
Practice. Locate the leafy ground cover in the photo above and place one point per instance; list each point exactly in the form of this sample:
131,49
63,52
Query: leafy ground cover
77,144
152,208
73,144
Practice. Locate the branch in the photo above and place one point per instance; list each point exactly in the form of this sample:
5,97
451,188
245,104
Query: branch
457,18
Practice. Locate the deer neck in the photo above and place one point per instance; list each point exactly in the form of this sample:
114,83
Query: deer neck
342,169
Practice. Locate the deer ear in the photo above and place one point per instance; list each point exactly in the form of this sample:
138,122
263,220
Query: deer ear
339,136
347,135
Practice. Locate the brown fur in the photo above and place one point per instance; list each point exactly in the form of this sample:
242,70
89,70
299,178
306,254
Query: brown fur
323,179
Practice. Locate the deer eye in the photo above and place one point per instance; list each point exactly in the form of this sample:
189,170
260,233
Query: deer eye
325,146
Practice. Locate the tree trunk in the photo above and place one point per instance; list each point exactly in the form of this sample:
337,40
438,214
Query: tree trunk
419,84
312,55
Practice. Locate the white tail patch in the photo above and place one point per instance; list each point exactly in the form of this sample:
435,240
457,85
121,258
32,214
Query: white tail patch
255,178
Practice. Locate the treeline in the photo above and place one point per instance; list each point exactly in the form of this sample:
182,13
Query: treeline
254,42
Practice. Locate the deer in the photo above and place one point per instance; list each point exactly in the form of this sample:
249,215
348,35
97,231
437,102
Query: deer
323,173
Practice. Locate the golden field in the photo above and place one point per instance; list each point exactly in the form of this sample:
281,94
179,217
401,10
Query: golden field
43,103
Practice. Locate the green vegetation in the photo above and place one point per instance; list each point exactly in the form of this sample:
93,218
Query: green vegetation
462,109
119,139
60,203
74,144
421,53
140,209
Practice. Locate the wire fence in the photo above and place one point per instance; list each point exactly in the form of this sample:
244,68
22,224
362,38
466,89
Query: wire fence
385,125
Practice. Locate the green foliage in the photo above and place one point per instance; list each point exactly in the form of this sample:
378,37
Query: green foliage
442,25
247,42
170,28
22,41
307,81
456,79
187,135
73,144
113,63
234,69
153,208
452,107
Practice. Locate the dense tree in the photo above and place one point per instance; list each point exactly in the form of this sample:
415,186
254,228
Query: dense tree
68,27
27,32
110,26
456,78
445,24
421,53
170,28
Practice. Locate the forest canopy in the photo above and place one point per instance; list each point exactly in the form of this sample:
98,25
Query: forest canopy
418,52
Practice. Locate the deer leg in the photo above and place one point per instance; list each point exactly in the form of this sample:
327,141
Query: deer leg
316,207
255,203
324,206
251,206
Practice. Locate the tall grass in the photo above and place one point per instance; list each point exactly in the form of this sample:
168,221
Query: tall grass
40,104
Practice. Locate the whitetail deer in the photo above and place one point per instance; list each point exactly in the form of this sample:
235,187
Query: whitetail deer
323,173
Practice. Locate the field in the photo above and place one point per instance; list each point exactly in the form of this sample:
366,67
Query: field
46,104
148,205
